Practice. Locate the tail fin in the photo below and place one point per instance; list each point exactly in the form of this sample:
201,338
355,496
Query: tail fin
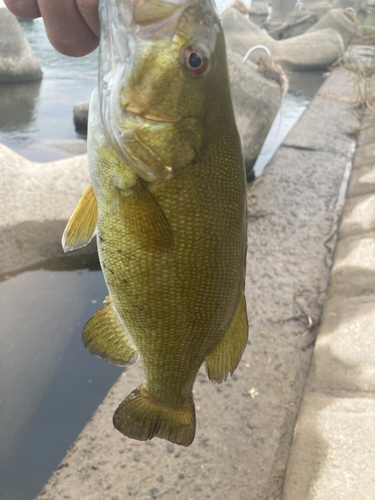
142,417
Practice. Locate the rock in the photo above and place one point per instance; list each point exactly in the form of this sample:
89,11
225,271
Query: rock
309,51
80,116
17,60
256,101
154,492
339,20
294,27
170,447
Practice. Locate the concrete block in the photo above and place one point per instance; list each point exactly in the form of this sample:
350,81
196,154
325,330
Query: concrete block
36,201
365,154
17,60
306,52
333,451
344,357
358,216
338,20
362,181
353,272
367,134
256,101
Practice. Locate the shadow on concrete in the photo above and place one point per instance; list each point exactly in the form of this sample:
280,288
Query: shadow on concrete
31,242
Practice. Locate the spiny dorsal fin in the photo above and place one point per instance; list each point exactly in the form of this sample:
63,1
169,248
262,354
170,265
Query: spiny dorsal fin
103,336
225,358
82,224
144,219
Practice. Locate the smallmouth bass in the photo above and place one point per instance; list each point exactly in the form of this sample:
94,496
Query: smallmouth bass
167,201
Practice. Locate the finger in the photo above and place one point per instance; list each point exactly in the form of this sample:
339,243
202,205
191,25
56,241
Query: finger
23,8
89,10
66,28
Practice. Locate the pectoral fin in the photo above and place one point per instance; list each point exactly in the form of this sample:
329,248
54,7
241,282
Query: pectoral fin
104,336
144,219
225,358
82,224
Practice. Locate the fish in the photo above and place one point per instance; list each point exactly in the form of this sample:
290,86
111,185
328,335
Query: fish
167,202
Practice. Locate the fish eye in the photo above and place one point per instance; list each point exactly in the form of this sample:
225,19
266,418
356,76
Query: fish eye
196,60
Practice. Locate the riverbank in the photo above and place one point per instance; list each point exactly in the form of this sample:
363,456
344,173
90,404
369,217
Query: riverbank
244,426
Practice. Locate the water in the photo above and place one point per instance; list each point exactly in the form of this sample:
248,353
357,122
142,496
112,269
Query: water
34,111
50,385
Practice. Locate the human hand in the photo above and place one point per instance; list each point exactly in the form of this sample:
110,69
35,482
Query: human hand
72,25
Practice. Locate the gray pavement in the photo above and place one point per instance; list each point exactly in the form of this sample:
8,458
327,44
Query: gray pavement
333,450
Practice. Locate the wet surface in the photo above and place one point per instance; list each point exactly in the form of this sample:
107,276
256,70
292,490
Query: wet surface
50,385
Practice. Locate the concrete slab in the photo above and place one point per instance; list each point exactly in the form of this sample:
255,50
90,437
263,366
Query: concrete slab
365,155
333,451
367,133
353,272
327,122
358,216
362,181
344,358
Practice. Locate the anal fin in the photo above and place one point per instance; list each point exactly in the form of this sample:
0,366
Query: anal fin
104,336
82,224
144,219
226,356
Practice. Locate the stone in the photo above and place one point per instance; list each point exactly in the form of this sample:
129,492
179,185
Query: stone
353,271
81,115
309,51
358,216
256,101
17,60
344,358
340,21
333,450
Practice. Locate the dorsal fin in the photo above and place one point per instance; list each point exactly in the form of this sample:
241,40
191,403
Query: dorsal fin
82,224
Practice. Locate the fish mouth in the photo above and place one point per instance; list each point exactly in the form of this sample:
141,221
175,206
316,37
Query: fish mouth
120,37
